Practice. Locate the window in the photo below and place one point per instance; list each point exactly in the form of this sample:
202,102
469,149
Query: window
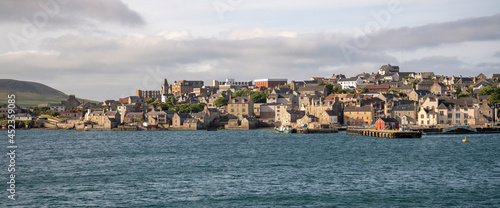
441,113
466,115
427,122
422,116
457,115
243,110
450,115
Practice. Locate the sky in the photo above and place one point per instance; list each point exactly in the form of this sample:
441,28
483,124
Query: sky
104,50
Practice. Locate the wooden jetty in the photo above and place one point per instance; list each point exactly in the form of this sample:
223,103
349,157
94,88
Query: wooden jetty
393,134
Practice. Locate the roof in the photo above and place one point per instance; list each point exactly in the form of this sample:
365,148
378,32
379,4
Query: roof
330,113
353,108
184,115
422,92
426,82
382,86
389,120
133,114
404,107
313,88
352,79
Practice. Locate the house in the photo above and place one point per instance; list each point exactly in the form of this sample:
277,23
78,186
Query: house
56,107
485,114
355,115
268,111
70,114
132,117
424,75
23,117
135,99
240,106
416,95
313,90
388,70
192,124
157,117
290,116
437,88
350,83
404,89
424,85
329,117
178,119
245,124
476,88
102,119
427,117
405,113
386,123
307,120
378,88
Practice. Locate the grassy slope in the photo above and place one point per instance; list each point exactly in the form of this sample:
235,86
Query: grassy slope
29,93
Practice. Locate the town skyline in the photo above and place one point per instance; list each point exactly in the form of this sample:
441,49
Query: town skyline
82,48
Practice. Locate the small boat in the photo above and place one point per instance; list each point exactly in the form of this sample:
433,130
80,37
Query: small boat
284,129
465,140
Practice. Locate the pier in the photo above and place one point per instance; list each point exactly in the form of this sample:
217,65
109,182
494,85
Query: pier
393,134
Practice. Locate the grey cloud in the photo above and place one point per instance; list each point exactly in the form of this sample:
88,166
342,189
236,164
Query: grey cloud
442,65
70,12
471,29
497,54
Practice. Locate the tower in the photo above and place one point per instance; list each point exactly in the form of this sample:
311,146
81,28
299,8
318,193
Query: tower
164,87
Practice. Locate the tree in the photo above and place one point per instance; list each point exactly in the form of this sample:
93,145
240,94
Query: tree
163,106
259,97
494,98
150,100
329,88
241,93
171,100
142,119
466,95
220,101
488,90
336,89
363,90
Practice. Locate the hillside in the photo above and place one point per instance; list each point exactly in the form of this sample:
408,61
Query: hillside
29,93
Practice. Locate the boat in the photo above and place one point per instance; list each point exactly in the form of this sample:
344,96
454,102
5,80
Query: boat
465,140
284,129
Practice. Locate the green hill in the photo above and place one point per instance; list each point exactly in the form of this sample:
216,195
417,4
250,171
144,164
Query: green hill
29,93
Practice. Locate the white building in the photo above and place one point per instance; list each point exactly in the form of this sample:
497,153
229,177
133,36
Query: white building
350,83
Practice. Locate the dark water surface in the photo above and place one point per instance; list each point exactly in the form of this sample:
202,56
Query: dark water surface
251,169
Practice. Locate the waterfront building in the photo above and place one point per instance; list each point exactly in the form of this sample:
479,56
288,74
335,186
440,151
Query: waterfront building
356,115
240,106
386,123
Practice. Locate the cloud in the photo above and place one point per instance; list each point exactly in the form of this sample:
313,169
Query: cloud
497,54
69,12
120,64
430,35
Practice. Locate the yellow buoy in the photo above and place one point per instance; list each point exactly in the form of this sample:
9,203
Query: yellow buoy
465,140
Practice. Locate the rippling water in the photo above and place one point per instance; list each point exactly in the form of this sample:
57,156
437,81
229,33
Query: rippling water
252,168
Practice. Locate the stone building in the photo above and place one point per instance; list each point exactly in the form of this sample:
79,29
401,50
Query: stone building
239,107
